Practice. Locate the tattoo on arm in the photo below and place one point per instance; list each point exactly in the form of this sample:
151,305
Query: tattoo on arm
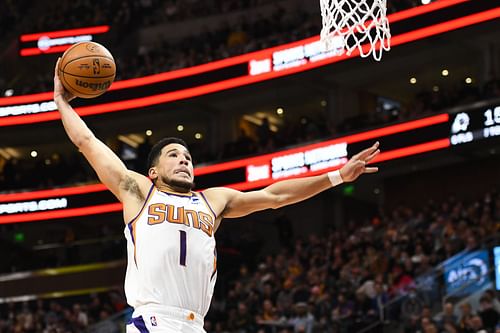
130,185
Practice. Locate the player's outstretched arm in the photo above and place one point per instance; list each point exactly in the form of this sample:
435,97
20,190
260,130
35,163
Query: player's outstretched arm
234,203
109,168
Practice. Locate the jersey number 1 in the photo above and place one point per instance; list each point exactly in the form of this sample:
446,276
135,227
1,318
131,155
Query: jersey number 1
182,259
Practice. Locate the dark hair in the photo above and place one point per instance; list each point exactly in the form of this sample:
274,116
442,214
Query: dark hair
155,152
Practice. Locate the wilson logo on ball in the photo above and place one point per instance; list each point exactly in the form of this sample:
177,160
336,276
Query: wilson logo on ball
94,86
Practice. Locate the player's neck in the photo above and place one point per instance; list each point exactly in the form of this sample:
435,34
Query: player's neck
171,188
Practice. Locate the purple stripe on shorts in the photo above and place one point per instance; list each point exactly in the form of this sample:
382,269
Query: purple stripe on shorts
140,324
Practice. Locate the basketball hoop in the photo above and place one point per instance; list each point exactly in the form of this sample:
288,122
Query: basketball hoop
355,24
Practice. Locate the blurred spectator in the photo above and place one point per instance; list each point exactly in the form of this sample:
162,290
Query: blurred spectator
379,301
448,316
476,325
264,135
465,321
70,315
342,312
244,144
489,316
303,320
241,321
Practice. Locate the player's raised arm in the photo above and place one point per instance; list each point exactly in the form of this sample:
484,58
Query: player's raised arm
232,203
109,168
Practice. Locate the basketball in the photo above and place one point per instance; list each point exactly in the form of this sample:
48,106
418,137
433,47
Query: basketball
87,69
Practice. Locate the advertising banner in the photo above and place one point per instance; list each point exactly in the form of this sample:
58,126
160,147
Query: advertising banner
466,273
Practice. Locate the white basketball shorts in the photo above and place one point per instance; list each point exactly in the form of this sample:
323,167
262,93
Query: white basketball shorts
165,319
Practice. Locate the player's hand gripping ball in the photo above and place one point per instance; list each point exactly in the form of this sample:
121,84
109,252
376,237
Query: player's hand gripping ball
87,69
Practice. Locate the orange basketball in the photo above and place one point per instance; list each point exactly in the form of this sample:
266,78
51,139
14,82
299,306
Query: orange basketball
87,69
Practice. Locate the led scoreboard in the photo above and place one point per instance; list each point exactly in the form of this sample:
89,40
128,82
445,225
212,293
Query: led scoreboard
468,126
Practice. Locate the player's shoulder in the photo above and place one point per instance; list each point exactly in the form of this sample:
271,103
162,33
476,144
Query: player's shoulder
218,198
219,195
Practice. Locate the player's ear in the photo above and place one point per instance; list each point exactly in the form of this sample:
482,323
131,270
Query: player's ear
153,173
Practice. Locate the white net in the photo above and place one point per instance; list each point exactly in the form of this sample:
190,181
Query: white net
355,24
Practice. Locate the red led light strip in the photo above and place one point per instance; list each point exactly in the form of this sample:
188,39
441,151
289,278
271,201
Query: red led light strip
384,156
445,27
150,79
23,99
412,12
61,213
377,133
373,134
115,207
141,102
64,33
412,150
223,85
36,51
58,192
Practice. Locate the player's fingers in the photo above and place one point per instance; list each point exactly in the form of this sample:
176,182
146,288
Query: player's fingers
362,154
371,170
359,164
372,156
57,66
368,151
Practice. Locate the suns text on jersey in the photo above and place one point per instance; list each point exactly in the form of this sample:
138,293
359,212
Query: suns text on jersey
160,212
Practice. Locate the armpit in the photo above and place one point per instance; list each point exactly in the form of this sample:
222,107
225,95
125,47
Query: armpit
130,185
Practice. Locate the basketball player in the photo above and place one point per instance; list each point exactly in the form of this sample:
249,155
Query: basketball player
170,229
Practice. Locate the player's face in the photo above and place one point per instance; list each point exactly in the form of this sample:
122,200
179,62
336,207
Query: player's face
175,167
